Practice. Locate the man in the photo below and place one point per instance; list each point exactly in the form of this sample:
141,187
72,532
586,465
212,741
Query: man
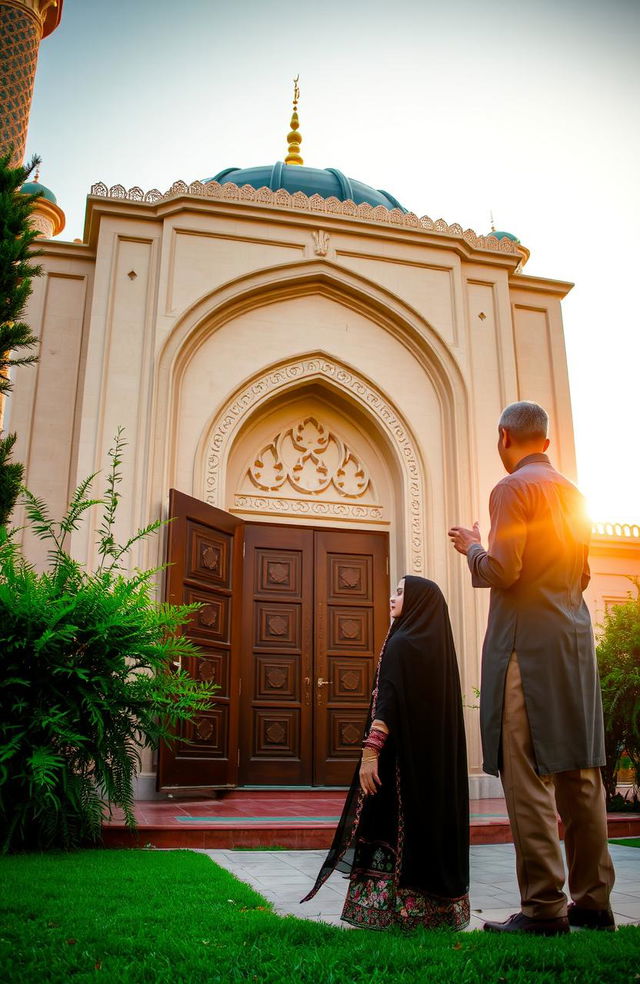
540,703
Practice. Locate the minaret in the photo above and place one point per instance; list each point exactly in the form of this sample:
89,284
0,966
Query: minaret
294,139
47,216
23,25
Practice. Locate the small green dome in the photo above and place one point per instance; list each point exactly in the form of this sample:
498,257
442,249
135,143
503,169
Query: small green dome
499,234
34,187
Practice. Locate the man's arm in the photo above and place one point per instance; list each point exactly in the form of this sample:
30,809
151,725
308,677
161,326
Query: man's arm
500,565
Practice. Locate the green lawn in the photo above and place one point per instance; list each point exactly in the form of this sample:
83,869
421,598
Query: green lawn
150,917
626,842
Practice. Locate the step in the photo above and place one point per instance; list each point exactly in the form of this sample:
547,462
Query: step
285,817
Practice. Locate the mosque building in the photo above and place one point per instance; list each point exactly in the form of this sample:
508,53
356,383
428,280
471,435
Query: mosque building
309,378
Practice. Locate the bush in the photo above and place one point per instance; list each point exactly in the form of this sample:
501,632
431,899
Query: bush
11,473
618,654
85,680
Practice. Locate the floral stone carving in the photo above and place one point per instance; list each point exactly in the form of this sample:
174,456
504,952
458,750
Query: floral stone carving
280,378
309,457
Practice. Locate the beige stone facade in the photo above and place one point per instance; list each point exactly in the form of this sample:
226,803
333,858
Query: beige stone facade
614,560
296,360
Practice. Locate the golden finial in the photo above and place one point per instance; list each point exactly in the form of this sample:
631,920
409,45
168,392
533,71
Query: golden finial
294,139
493,227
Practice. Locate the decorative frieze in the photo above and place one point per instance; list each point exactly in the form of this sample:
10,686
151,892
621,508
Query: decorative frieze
273,505
230,192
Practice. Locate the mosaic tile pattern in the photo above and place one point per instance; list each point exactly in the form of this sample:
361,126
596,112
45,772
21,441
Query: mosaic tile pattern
19,43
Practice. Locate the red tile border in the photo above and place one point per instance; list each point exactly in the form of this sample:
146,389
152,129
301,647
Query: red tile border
159,826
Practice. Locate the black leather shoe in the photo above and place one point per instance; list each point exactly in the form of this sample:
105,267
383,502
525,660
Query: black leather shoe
519,923
591,918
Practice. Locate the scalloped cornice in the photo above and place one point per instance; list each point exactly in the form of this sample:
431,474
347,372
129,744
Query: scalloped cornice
315,204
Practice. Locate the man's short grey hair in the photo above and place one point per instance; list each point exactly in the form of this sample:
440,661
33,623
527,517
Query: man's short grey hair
526,421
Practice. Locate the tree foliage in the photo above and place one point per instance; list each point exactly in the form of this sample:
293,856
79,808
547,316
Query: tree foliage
16,267
16,273
86,677
11,473
619,663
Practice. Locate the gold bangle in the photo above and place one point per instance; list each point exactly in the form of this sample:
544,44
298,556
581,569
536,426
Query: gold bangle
369,758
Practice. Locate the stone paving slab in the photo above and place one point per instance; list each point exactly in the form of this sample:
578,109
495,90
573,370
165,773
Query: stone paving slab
284,877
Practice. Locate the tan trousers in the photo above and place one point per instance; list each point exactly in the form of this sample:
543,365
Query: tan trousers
531,804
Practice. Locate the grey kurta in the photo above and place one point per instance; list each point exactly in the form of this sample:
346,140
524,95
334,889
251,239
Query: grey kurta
536,566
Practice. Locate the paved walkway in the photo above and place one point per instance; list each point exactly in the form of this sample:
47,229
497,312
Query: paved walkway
284,877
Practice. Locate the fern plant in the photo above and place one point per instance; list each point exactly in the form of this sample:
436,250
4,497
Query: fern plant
85,678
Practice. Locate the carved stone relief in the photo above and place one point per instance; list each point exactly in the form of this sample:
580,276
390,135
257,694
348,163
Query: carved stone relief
239,408
320,242
276,506
309,458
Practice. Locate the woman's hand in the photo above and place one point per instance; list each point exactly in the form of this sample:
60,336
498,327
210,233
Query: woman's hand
369,778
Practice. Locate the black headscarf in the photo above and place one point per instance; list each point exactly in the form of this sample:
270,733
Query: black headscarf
418,696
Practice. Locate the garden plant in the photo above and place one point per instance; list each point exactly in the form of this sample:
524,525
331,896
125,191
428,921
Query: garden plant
16,274
87,677
619,664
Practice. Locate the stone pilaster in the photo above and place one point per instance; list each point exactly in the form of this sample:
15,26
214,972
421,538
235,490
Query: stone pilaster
23,24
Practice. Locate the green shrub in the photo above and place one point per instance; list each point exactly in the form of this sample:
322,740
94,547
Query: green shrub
11,473
85,678
619,663
17,239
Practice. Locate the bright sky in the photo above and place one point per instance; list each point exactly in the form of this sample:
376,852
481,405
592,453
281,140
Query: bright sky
457,108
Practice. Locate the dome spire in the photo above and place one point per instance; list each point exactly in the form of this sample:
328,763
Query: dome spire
294,139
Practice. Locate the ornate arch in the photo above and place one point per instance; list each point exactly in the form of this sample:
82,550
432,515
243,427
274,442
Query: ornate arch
219,435
324,278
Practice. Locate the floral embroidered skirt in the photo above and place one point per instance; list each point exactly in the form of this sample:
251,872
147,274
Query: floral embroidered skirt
375,901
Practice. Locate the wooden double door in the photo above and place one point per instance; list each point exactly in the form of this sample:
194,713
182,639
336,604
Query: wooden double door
290,626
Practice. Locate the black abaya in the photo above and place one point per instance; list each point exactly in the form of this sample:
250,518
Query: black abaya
407,846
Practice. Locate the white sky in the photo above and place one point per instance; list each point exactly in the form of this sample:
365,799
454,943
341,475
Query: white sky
529,109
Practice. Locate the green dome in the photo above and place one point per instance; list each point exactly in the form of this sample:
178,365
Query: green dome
498,234
327,182
34,187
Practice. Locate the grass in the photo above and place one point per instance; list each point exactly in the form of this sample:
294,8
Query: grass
627,842
146,917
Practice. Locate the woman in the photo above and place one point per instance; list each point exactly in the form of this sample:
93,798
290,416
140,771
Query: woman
404,830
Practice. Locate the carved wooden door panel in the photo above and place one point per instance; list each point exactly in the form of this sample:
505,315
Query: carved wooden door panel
276,702
204,550
352,617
